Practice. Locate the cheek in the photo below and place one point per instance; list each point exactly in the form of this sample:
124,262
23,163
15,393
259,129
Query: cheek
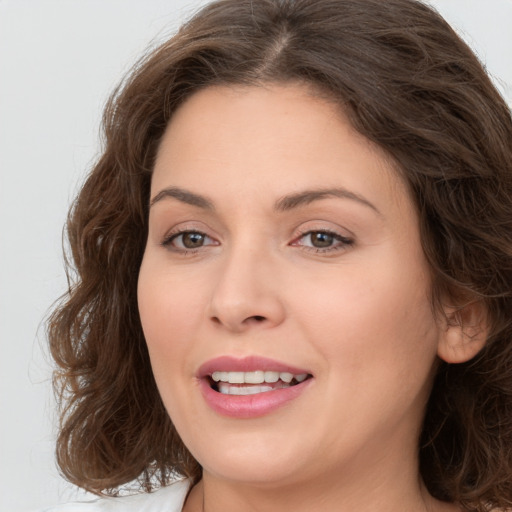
169,315
373,322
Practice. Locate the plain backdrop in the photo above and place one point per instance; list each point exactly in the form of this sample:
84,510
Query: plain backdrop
59,60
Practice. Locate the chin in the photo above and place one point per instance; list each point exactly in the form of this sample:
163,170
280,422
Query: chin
265,472
251,455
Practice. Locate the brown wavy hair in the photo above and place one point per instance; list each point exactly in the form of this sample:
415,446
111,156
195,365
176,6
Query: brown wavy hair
409,84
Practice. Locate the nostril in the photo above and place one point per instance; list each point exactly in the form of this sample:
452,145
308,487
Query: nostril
258,318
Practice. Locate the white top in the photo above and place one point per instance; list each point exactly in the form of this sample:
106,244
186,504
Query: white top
165,499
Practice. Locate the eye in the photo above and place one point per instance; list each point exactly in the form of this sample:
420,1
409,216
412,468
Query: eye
188,240
320,239
323,241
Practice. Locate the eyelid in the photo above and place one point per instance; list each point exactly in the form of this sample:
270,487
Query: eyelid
174,236
188,226
335,234
182,229
323,226
344,240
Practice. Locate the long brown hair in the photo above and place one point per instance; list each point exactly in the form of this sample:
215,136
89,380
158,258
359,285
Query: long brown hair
408,83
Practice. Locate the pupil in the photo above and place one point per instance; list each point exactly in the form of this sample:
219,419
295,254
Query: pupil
321,239
193,240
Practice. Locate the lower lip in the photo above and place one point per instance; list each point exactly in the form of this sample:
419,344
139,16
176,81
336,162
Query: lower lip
251,406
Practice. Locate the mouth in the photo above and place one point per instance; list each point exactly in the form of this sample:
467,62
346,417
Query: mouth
253,382
252,386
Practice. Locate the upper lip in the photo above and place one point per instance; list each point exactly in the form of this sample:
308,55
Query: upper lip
246,364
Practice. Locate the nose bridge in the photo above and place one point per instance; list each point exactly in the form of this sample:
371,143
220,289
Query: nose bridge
246,291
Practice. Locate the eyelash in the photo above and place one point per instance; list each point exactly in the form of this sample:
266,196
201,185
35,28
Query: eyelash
343,241
169,239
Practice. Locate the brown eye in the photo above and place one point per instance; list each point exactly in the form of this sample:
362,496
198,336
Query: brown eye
321,239
192,240
188,240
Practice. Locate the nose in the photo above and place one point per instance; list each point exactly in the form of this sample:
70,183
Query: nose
247,294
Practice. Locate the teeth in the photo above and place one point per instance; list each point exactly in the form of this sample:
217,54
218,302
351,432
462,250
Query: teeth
236,377
271,376
226,389
257,377
254,377
286,377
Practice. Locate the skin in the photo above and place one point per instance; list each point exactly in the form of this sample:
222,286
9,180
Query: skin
357,313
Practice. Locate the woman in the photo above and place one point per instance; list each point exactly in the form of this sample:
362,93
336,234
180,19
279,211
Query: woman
294,264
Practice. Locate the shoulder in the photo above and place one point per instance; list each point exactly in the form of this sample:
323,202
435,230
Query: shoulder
166,499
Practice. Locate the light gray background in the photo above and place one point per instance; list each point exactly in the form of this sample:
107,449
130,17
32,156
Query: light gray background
58,62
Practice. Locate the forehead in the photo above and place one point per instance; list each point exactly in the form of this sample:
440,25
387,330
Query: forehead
273,138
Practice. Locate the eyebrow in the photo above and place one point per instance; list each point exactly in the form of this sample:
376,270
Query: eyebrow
183,196
308,196
283,204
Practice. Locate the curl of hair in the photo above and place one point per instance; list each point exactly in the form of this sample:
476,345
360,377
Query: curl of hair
408,83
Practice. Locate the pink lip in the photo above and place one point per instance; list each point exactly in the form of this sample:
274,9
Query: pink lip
248,406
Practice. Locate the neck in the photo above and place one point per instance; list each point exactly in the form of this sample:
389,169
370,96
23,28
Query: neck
386,491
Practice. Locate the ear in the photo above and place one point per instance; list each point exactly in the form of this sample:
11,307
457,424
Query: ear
465,332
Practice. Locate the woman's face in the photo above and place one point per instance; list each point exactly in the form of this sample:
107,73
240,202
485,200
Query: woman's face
282,241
